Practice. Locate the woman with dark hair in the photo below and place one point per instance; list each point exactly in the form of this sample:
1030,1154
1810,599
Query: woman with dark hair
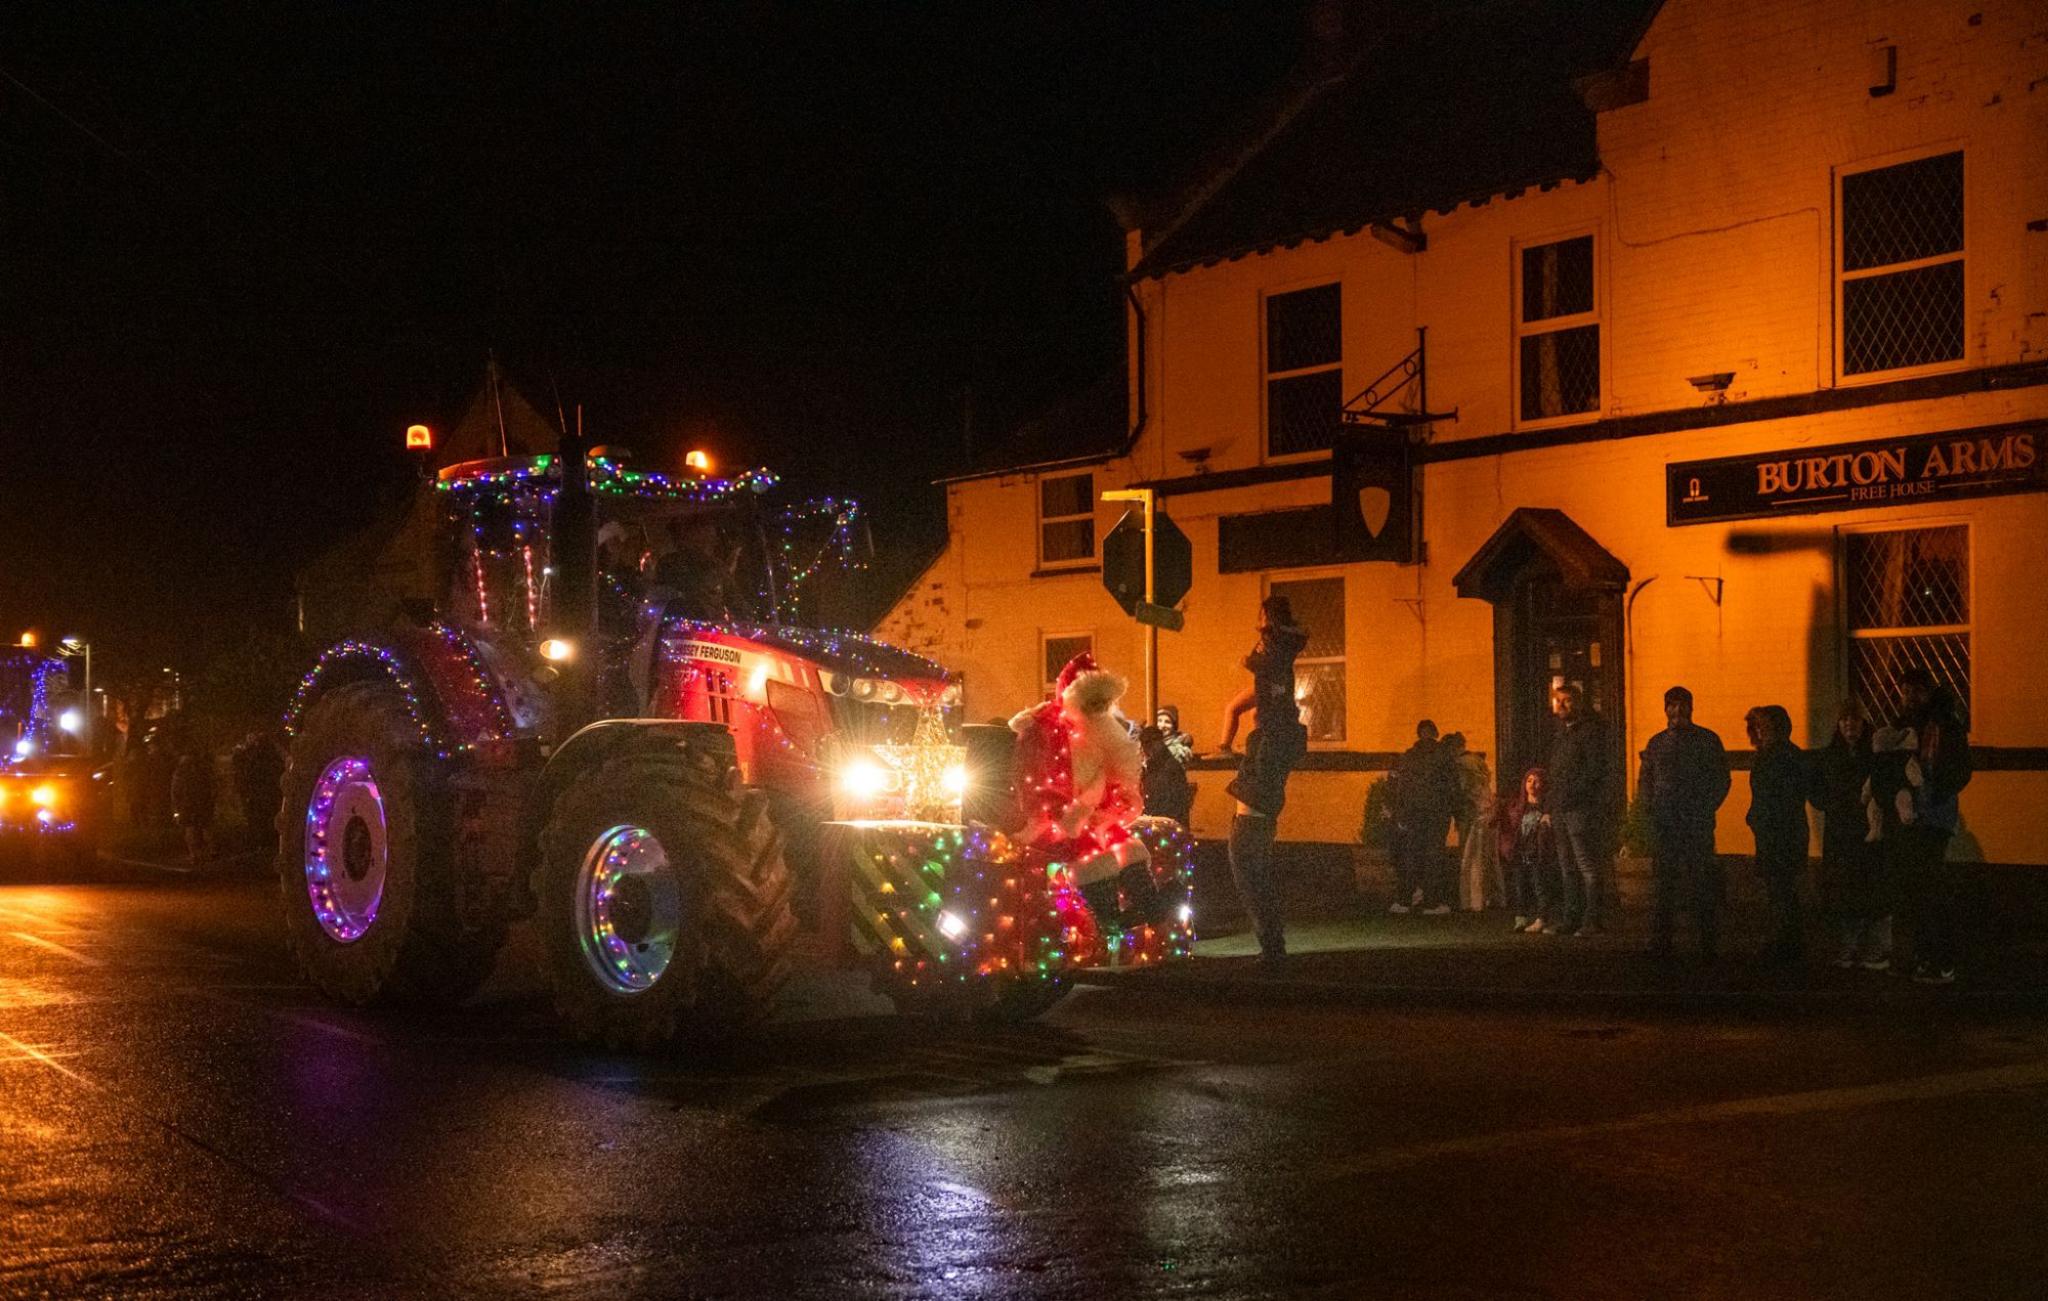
1277,743
1851,872
1528,853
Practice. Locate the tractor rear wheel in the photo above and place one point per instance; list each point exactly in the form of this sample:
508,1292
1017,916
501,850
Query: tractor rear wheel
365,858
665,904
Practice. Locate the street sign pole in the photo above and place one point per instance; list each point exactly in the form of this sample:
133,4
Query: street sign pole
1143,496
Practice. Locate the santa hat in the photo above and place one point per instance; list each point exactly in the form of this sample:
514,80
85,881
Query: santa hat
1082,663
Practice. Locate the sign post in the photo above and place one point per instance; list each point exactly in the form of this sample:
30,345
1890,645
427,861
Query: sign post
1143,496
1146,593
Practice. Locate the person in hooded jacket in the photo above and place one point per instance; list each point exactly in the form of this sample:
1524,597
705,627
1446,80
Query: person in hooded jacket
1933,910
1778,784
1851,869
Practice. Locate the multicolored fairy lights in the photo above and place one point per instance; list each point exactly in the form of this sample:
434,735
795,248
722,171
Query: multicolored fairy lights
461,711
936,905
628,909
344,851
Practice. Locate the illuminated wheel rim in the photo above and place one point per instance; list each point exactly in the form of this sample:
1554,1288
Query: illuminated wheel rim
347,849
628,910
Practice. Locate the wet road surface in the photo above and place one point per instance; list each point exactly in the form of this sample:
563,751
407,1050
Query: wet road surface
178,1117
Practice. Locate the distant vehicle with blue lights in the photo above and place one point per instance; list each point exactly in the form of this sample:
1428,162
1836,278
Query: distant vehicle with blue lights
615,724
53,792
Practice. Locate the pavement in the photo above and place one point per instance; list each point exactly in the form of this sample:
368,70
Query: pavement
1477,959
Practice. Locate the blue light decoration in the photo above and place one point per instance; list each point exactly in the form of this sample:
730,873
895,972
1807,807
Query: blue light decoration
25,676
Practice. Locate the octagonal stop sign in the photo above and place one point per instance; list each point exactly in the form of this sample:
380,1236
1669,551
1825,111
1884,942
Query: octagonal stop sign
1123,561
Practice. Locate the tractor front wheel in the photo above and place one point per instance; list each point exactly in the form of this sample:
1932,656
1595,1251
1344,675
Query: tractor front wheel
665,905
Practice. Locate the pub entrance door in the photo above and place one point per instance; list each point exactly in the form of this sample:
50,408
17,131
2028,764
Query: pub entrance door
1554,636
1557,618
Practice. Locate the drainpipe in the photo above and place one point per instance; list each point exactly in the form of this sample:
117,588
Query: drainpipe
1628,620
1138,310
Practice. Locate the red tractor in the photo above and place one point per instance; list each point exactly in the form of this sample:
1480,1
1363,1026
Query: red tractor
586,733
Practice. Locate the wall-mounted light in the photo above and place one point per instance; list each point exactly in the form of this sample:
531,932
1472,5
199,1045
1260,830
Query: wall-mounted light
1714,386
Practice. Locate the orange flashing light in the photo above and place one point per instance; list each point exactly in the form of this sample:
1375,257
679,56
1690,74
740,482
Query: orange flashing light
699,460
28,639
419,438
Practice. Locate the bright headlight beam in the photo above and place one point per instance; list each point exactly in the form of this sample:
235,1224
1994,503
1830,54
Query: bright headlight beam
863,779
956,779
950,925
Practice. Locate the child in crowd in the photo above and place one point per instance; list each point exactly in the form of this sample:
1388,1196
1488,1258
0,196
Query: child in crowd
1528,854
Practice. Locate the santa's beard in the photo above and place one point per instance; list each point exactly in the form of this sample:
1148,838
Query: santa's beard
1104,751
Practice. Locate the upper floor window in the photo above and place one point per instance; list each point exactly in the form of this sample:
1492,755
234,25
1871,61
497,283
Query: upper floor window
1557,329
1901,263
1318,605
1304,369
1066,519
1056,648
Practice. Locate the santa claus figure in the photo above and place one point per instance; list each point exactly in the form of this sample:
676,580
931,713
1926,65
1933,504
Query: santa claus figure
1078,779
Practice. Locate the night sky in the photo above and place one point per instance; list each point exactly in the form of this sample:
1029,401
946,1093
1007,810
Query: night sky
245,245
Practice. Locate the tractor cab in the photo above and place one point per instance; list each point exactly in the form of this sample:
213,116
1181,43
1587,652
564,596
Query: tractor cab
699,585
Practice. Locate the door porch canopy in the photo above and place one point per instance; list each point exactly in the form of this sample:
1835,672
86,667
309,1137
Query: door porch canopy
1539,533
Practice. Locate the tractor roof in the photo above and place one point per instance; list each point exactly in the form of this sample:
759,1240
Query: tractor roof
609,475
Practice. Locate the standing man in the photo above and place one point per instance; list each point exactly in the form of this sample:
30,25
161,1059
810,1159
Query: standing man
1422,818
1684,781
1778,783
1277,743
1582,792
1943,756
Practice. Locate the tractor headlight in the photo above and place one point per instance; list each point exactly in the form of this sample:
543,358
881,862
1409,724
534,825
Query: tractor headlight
955,780
558,650
952,695
864,688
863,778
951,925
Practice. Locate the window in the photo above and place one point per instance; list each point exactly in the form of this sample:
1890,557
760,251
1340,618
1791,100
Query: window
1902,265
1907,602
1304,370
1059,647
1066,519
1557,328
1319,673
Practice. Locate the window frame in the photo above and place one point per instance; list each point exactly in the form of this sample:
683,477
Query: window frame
1267,456
1838,277
1849,636
1266,584
1047,636
1518,329
1094,556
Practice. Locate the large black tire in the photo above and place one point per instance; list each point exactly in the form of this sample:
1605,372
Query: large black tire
417,949
735,934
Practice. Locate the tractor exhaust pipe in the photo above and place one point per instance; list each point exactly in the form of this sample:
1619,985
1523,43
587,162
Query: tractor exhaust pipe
572,554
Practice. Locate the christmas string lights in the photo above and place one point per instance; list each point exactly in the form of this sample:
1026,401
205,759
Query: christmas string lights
466,714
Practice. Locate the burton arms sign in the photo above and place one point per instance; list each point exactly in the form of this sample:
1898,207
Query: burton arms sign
1859,476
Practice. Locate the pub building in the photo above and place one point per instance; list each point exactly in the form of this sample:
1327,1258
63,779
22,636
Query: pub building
1708,346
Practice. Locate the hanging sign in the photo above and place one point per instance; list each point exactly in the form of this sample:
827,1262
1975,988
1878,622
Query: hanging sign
1859,476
